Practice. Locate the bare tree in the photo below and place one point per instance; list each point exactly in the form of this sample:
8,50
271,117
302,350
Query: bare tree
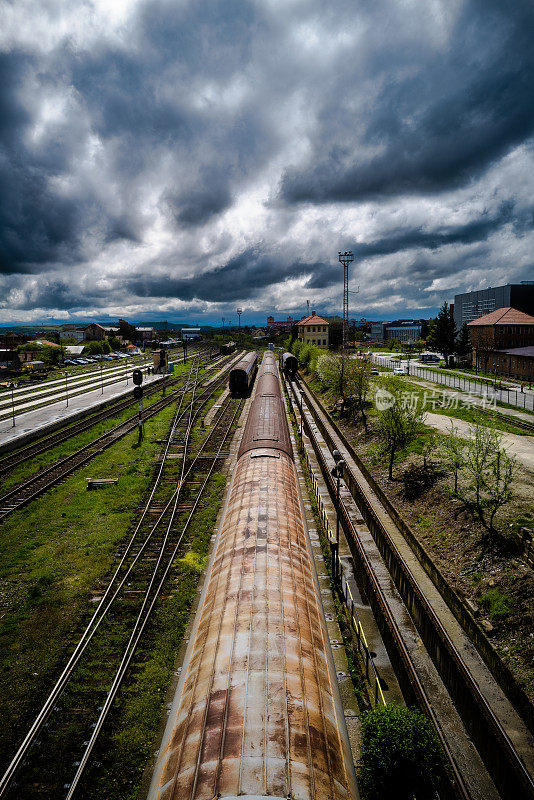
453,447
398,421
487,475
357,376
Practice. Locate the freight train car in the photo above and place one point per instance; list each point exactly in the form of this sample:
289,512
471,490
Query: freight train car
257,712
242,375
290,365
227,348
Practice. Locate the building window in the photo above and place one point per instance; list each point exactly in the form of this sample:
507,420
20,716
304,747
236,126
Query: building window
324,341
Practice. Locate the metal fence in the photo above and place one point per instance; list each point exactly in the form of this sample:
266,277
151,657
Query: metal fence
518,399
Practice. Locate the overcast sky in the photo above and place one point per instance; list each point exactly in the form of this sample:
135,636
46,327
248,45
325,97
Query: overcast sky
175,160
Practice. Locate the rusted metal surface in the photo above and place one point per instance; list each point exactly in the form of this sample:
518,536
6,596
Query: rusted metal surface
257,710
266,425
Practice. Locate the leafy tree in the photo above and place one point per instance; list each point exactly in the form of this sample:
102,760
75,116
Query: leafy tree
462,346
93,348
127,331
398,421
401,757
114,343
106,347
442,332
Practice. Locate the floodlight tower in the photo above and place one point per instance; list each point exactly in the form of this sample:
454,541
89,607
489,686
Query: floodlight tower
239,312
345,258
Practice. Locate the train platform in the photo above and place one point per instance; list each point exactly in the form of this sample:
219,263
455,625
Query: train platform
32,424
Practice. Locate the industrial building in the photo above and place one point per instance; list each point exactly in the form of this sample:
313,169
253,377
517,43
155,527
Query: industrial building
471,305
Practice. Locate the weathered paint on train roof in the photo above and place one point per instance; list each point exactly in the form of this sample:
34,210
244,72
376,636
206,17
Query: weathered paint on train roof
258,712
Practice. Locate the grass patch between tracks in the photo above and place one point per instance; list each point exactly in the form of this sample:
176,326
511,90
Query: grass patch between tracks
53,554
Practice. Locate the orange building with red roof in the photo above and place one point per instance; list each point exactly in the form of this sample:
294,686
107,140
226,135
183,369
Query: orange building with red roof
314,329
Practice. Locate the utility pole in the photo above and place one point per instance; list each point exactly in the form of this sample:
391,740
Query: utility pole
345,258
223,321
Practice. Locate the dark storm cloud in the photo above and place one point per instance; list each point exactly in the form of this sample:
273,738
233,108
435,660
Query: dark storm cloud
134,156
478,230
437,124
246,275
33,223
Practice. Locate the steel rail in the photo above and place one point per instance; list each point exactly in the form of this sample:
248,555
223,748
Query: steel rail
144,615
99,613
393,628
503,740
76,460
12,460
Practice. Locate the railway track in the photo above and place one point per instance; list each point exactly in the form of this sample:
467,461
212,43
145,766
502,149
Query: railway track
82,694
14,459
45,479
500,736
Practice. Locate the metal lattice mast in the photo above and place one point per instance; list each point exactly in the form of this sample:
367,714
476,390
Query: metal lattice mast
345,258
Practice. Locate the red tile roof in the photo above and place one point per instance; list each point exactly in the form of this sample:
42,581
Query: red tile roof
504,316
313,319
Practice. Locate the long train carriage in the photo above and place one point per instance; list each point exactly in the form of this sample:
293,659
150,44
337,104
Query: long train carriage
242,375
257,710
290,365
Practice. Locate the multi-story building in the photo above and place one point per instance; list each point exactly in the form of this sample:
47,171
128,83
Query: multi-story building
471,305
503,343
79,336
313,329
280,325
145,334
378,331
403,333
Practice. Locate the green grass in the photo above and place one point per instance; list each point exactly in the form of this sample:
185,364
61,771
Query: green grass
497,603
53,554
465,414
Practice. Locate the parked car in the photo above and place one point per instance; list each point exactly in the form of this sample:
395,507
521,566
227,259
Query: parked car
399,371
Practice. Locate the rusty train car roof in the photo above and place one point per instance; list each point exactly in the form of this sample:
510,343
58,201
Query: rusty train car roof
267,424
257,712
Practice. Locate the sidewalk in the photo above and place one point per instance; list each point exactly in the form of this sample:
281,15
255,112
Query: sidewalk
52,416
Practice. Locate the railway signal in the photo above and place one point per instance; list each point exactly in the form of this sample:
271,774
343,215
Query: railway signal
137,377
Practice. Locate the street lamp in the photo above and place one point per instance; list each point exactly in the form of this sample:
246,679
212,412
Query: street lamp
102,377
67,388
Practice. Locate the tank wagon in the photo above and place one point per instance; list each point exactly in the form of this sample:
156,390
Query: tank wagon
257,711
242,375
227,348
290,365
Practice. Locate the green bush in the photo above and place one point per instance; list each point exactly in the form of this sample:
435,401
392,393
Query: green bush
498,604
401,757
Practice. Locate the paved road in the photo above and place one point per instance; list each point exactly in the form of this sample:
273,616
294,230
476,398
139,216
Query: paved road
520,446
519,399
